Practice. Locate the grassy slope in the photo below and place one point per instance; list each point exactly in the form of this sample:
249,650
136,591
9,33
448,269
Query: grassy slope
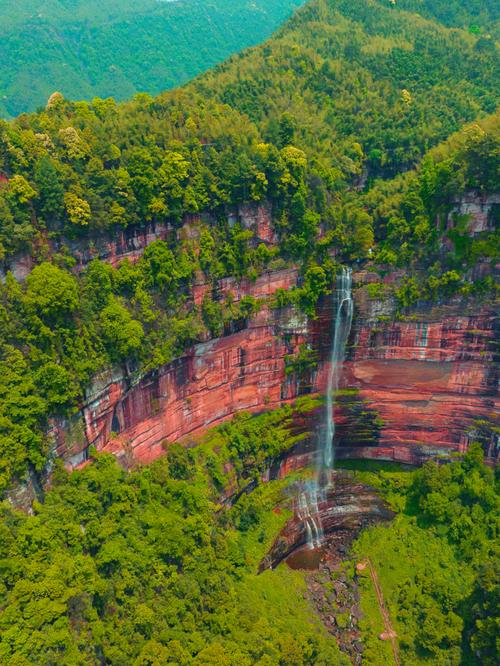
415,564
402,553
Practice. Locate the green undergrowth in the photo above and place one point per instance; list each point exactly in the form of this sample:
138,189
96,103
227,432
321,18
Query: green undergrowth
414,566
159,565
390,479
147,567
237,453
437,563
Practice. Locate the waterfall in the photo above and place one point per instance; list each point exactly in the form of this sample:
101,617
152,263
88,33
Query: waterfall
315,491
343,322
308,513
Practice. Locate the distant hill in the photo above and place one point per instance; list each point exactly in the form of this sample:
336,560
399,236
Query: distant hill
480,16
119,47
352,74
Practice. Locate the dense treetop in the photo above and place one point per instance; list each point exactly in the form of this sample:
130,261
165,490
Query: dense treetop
438,564
362,83
477,16
147,569
362,88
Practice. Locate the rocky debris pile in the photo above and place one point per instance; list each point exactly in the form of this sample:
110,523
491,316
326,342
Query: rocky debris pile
333,590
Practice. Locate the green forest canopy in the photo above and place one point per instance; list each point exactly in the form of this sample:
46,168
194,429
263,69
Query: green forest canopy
144,568
438,564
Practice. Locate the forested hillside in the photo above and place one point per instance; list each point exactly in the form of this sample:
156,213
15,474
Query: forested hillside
78,169
361,126
361,84
117,48
140,568
476,16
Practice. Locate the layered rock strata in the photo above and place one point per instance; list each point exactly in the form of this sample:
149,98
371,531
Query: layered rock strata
130,242
414,388
347,507
409,390
133,417
424,387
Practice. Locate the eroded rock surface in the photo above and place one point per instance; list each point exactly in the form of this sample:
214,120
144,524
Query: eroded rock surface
346,508
426,386
409,390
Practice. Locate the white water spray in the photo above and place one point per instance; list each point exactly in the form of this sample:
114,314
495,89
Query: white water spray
308,513
343,323
315,491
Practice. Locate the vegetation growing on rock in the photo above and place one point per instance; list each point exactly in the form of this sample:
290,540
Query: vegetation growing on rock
146,567
361,126
79,169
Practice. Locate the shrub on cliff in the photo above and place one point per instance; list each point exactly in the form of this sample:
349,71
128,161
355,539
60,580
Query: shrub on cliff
121,334
51,292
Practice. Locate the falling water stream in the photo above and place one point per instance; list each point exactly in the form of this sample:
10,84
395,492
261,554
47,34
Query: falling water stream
315,490
343,322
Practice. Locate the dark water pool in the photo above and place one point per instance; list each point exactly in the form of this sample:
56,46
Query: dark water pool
305,558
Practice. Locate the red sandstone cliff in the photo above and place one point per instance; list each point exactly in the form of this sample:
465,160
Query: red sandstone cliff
132,417
130,242
430,382
416,388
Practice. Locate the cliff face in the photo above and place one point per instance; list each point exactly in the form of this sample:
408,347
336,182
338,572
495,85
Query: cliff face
480,211
432,384
410,389
130,243
347,508
132,417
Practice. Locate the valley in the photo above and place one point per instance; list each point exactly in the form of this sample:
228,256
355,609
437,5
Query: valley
248,351
120,48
